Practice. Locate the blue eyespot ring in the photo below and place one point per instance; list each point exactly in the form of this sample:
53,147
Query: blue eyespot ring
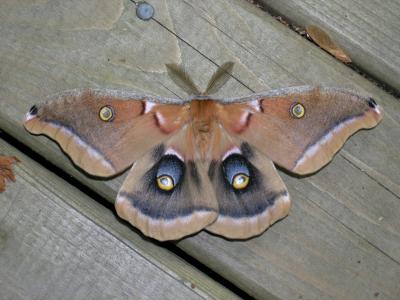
169,172
236,171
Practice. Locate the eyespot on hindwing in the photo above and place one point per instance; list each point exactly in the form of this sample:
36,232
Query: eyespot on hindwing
165,182
169,173
240,181
236,171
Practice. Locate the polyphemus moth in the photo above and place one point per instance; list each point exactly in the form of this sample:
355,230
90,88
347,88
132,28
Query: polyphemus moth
202,162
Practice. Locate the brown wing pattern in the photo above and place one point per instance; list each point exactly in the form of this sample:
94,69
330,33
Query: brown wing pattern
246,210
300,143
204,192
203,164
163,212
99,146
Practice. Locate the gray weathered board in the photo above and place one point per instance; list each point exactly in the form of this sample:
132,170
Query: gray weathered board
341,239
57,243
367,30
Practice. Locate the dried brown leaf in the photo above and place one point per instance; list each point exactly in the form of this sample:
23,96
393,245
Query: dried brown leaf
322,39
6,171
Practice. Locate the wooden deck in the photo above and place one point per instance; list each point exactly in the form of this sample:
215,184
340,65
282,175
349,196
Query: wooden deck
366,30
342,237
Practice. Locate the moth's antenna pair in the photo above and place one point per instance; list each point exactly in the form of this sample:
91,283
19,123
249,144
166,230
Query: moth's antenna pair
182,79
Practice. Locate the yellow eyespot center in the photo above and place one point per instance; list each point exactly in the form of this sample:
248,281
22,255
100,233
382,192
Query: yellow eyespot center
165,182
106,113
298,110
240,181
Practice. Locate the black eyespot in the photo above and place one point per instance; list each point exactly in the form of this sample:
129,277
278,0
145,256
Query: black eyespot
169,172
236,171
33,110
371,103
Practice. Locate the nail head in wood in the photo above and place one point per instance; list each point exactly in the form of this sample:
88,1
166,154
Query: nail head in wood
144,11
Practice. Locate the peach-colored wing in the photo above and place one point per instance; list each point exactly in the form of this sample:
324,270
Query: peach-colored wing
104,131
175,190
168,194
250,194
299,128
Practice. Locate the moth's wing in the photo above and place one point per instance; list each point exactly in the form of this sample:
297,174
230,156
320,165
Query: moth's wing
168,214
104,148
300,144
247,210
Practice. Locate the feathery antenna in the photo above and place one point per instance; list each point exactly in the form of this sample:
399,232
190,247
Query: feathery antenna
220,77
182,79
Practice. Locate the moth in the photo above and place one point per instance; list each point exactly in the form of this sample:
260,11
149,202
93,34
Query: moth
202,162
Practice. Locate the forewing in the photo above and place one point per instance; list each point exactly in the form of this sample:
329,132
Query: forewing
77,120
300,143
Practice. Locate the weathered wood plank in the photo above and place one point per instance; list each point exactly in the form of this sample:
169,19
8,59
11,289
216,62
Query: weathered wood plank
313,253
367,30
51,247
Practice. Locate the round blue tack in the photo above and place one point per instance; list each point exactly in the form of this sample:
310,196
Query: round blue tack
144,11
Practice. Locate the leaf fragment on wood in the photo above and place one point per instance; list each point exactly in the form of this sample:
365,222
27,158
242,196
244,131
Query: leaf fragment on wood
6,171
322,39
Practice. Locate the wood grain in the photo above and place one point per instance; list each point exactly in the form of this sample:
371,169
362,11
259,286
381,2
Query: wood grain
366,30
341,239
56,242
